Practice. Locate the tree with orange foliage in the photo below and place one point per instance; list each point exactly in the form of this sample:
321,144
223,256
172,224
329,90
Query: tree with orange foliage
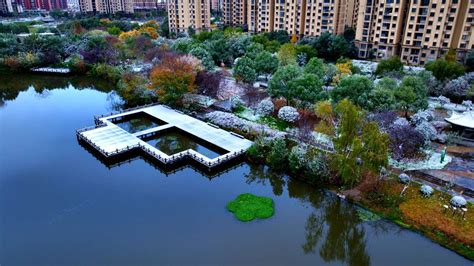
152,23
129,34
150,31
78,29
174,77
294,38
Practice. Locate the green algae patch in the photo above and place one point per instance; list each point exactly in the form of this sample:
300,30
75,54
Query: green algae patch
246,207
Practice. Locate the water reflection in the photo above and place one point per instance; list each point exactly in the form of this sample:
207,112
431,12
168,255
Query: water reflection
333,223
11,87
345,239
260,174
166,169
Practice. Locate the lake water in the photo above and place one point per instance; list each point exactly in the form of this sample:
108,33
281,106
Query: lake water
59,205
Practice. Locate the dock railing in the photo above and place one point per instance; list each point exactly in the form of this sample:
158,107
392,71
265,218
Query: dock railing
97,117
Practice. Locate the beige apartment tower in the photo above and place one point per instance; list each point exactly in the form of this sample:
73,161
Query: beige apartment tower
185,14
328,16
299,17
106,6
234,12
416,30
378,28
434,27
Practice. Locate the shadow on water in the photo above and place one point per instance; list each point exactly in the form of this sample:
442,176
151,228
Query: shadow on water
167,169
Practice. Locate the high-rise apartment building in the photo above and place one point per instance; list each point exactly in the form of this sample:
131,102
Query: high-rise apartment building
264,16
328,16
235,12
300,17
185,14
6,6
106,6
378,28
149,4
416,30
42,4
216,5
434,27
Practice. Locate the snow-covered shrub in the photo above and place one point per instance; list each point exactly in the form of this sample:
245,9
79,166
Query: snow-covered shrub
467,103
228,120
401,121
404,178
458,87
366,67
318,165
443,100
297,159
265,107
426,190
432,84
422,116
458,201
288,114
427,130
236,102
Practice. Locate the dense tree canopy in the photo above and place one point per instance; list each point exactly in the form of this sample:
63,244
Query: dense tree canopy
355,88
389,65
244,70
316,66
332,47
280,82
287,54
307,88
443,69
265,63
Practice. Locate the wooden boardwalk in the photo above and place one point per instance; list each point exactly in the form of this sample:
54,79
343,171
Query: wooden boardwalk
52,70
109,139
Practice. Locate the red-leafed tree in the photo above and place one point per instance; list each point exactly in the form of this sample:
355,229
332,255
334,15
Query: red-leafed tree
174,76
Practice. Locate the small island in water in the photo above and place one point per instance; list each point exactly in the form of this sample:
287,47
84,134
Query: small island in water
247,207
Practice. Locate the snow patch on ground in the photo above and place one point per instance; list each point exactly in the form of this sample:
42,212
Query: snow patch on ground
431,162
249,114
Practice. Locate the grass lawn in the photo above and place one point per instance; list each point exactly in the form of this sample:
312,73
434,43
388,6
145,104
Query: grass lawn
427,215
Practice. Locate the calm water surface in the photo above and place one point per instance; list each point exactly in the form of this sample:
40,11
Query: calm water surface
59,205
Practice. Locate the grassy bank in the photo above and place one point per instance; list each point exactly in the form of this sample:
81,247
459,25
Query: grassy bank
425,215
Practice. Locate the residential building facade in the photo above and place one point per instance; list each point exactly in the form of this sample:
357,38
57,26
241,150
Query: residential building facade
378,28
41,4
299,17
185,14
235,12
6,6
149,4
106,6
216,5
418,31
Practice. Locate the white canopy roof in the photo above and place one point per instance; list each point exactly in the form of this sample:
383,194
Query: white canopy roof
465,119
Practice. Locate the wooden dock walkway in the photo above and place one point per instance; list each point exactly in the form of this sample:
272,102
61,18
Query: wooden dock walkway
109,139
52,70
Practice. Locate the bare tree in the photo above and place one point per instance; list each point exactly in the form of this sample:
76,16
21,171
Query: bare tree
252,95
306,123
208,83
